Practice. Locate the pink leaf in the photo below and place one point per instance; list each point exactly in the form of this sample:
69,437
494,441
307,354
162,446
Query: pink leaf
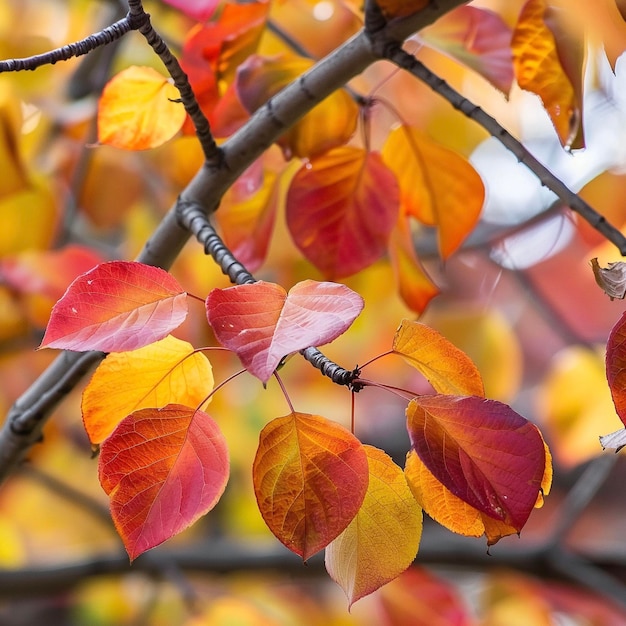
262,323
116,306
200,10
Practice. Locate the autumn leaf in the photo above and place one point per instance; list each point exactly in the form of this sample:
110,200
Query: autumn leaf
328,125
14,177
382,539
611,279
400,8
478,38
419,598
168,371
448,369
438,187
116,306
341,209
200,10
262,323
538,69
162,470
482,452
414,285
139,109
310,478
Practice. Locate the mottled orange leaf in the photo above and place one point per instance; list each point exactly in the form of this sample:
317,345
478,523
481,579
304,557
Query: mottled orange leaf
414,284
341,209
116,306
482,451
162,470
262,323
310,478
448,369
168,371
382,539
478,38
538,69
418,598
328,125
246,224
138,110
437,186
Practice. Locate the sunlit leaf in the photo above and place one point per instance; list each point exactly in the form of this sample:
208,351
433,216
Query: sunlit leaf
328,125
200,10
310,478
477,37
419,598
138,110
383,538
116,306
162,469
165,372
341,209
437,186
262,323
482,451
414,285
448,369
538,69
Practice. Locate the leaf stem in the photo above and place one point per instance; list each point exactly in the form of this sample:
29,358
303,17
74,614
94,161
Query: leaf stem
218,387
284,390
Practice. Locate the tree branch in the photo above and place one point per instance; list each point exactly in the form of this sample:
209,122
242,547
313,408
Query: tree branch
393,52
26,419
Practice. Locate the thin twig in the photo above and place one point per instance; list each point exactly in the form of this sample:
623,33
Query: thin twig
141,21
79,48
393,52
193,218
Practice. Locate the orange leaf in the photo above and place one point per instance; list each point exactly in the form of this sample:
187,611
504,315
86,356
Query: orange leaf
538,69
162,469
328,125
401,8
383,538
310,478
437,186
482,451
165,372
414,285
341,209
448,369
138,110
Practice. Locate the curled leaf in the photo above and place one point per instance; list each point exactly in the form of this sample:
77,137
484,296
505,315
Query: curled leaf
611,279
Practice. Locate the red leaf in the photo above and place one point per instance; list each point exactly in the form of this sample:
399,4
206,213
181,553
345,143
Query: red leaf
163,469
477,37
116,306
482,451
310,478
262,323
616,366
341,209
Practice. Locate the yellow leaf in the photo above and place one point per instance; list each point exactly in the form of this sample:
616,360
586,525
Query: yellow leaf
539,70
14,177
382,540
165,372
437,186
138,110
448,369
28,218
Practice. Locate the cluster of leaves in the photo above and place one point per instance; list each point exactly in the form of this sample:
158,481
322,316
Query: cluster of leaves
476,466
362,203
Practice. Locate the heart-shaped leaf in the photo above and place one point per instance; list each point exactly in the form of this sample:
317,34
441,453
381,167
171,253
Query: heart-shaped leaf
310,478
262,323
162,469
116,306
482,451
382,539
